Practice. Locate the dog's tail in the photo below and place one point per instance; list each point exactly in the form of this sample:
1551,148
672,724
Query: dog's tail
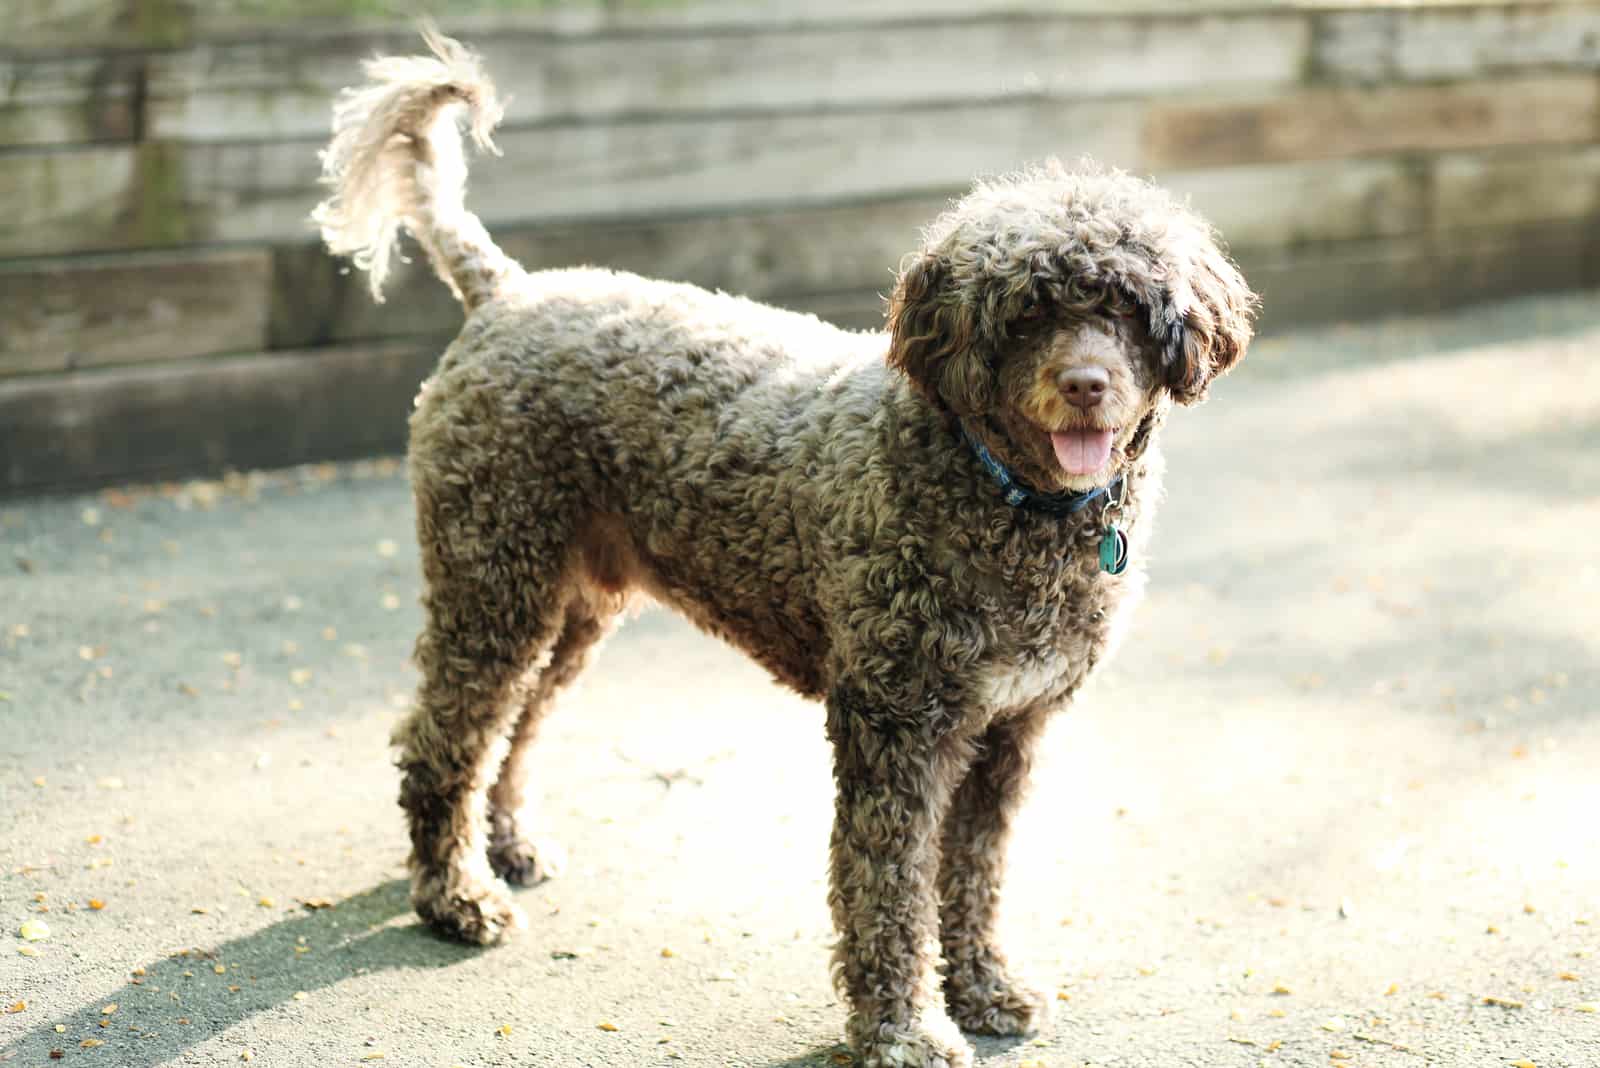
396,160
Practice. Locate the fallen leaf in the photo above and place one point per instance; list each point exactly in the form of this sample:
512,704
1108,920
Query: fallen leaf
28,951
21,1006
96,904
90,1043
109,1009
1587,1006
315,903
34,931
504,1030
606,1025
300,995
1504,1003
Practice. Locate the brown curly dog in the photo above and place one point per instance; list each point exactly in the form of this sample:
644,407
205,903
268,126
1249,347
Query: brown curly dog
938,531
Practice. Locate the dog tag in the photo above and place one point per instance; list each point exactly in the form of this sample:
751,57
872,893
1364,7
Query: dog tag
1113,551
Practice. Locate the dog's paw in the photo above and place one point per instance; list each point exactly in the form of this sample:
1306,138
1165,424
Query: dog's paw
522,862
998,1006
478,916
931,1042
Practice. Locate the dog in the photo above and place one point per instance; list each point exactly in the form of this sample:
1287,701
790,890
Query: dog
938,530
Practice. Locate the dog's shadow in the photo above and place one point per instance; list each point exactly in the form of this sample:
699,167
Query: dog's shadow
834,1056
182,1000
838,1055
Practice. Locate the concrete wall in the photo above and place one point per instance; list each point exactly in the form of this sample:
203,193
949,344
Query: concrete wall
164,308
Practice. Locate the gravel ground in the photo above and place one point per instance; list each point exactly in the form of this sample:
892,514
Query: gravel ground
1335,803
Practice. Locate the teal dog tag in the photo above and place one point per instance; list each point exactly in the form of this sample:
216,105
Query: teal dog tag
1113,551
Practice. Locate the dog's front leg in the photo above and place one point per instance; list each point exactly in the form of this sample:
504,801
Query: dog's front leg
982,995
894,773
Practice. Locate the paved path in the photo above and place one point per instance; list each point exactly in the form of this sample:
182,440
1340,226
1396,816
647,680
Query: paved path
1337,803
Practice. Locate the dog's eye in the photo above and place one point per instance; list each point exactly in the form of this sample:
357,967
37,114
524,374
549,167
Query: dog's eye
1032,308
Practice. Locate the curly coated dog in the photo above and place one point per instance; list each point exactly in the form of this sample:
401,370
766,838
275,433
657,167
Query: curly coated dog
937,531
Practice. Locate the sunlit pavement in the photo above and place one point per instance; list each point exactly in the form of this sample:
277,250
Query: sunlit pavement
1336,802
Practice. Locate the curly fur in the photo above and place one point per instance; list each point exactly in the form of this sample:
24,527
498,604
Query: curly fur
800,491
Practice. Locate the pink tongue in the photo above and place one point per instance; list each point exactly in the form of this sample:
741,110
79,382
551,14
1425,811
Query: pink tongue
1082,452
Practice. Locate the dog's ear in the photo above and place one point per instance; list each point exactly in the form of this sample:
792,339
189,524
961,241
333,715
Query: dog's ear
1211,315
934,340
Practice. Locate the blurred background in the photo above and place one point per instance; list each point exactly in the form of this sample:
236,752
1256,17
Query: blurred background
165,309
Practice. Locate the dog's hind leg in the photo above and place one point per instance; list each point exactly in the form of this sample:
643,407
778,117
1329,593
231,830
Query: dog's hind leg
496,599
979,990
514,853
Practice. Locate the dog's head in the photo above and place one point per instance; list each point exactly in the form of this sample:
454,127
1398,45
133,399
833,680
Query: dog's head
1058,313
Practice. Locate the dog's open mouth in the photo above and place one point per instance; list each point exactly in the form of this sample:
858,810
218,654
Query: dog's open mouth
1083,451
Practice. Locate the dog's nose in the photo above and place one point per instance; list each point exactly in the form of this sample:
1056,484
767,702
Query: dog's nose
1084,387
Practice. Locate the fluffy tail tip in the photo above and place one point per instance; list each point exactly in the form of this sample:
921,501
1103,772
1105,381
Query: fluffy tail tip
388,129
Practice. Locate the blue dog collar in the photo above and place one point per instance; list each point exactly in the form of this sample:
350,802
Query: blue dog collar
1019,496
